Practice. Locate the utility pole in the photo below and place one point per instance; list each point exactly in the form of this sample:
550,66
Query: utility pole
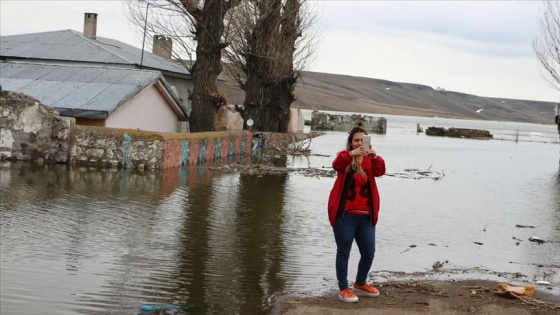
144,38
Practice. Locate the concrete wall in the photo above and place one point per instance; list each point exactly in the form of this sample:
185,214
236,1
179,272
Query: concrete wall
297,122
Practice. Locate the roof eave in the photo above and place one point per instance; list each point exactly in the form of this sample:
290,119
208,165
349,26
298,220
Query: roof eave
80,113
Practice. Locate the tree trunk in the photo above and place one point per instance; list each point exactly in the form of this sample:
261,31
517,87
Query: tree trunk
269,113
275,115
259,65
285,97
206,98
282,95
254,95
263,59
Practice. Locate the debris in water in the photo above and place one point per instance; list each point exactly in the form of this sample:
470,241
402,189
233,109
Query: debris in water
536,239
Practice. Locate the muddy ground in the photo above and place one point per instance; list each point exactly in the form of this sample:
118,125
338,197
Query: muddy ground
426,297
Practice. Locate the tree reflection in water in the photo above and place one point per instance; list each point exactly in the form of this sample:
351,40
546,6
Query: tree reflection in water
231,251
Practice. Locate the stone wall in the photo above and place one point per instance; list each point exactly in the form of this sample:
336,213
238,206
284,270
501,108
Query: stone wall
138,149
34,132
111,147
31,131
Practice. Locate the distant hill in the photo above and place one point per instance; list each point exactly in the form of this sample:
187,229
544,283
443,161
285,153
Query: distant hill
323,91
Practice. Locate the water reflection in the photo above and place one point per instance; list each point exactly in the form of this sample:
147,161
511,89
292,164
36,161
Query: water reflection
95,241
112,232
194,249
230,249
258,239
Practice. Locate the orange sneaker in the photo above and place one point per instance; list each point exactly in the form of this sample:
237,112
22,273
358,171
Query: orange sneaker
347,295
366,290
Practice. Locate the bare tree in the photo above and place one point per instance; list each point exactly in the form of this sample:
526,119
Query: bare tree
204,21
267,46
160,17
282,93
547,45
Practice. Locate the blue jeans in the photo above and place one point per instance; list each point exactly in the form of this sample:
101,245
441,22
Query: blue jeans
346,229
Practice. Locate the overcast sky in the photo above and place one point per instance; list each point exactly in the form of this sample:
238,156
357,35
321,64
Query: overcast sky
476,47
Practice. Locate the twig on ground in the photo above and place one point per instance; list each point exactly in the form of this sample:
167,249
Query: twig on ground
535,302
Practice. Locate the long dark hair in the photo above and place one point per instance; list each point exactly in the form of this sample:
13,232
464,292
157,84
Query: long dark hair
355,165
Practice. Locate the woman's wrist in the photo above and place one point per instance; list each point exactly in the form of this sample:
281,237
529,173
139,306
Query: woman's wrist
350,153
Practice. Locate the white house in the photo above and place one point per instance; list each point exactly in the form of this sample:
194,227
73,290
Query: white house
153,79
99,96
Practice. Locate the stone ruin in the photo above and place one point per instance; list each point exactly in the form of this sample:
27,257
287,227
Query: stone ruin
32,131
322,121
459,133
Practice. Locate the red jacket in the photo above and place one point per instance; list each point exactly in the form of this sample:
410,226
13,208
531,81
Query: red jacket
372,167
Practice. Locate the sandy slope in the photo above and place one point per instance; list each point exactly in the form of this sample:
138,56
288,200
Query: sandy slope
324,91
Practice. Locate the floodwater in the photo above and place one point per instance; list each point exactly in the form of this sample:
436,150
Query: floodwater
89,241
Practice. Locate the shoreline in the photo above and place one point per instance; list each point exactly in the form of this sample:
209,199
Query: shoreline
423,113
382,110
425,297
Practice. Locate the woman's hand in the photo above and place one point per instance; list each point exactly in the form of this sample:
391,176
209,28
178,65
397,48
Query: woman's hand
372,154
359,151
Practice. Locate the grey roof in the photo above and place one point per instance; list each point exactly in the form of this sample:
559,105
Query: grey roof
73,46
81,91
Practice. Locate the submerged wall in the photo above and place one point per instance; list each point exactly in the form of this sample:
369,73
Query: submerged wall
34,132
110,147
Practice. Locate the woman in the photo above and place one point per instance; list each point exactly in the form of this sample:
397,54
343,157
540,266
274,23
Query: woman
353,209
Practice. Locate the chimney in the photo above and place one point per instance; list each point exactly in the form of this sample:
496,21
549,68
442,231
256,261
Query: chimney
90,24
162,46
